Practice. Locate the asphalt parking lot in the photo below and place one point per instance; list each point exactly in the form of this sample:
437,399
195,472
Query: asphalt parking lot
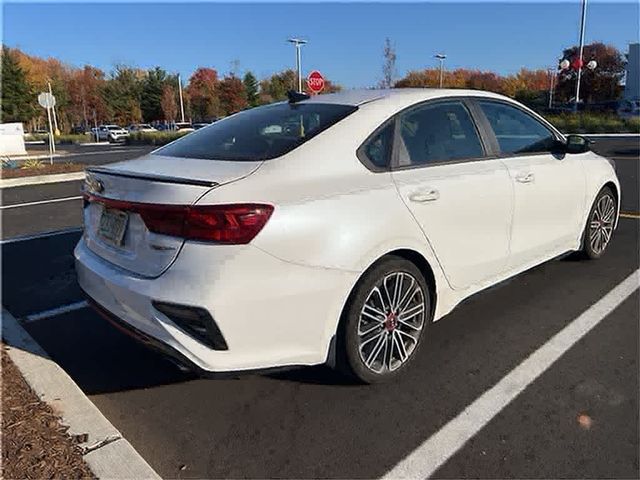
32,209
578,419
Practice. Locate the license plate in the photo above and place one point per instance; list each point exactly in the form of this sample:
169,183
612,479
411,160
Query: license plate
113,225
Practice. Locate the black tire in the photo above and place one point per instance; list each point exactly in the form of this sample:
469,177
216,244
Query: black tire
352,344
592,248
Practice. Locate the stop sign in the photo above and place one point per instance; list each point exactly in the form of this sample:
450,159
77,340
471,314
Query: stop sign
315,81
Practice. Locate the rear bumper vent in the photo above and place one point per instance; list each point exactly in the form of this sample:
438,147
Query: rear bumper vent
195,322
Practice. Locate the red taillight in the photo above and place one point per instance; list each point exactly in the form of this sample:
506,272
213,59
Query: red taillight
236,224
228,224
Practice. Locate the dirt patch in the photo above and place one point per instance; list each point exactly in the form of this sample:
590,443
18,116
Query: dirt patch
34,443
42,170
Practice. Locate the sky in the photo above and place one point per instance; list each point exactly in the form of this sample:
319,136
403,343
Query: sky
345,39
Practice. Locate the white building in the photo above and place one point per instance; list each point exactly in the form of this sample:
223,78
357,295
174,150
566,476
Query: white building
632,83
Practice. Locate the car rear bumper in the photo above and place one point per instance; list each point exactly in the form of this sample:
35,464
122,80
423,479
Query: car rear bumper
271,313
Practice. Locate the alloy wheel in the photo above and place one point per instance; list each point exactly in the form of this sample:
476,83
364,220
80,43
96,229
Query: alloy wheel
601,223
391,321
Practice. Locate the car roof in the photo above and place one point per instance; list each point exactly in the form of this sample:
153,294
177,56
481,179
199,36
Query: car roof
395,97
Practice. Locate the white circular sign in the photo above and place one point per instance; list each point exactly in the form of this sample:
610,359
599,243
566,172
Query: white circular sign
46,100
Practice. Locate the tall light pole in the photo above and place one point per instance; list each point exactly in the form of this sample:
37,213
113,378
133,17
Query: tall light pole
298,44
552,84
581,49
441,57
181,102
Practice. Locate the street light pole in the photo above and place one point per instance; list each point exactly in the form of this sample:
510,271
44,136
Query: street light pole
581,49
552,85
441,57
298,44
181,102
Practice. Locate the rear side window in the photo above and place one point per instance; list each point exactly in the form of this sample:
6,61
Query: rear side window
378,149
259,134
517,131
437,133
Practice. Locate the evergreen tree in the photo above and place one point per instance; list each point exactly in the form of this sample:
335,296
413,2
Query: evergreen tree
152,89
251,88
18,98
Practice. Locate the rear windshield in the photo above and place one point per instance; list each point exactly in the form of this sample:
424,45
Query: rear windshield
258,134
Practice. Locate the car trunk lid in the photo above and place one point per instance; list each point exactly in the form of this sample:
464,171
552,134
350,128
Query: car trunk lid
119,195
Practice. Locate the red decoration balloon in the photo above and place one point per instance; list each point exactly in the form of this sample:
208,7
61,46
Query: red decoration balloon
577,63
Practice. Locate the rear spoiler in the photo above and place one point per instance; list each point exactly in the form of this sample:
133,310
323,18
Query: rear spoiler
151,176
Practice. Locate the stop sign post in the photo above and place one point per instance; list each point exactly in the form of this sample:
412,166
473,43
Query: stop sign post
315,82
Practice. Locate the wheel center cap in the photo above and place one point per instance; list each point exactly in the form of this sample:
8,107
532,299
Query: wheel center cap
391,322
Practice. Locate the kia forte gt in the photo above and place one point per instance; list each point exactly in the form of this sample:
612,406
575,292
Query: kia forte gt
335,229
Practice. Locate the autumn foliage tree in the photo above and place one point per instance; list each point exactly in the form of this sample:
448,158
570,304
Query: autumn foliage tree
528,86
275,88
87,105
598,85
168,103
203,94
232,95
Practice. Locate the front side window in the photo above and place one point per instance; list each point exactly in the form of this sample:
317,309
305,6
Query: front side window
437,133
517,131
260,133
378,149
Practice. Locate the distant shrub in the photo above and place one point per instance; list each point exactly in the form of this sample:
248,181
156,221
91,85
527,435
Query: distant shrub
64,139
154,138
634,125
593,123
74,138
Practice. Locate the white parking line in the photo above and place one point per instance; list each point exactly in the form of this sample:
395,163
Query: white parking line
443,444
41,235
55,311
40,202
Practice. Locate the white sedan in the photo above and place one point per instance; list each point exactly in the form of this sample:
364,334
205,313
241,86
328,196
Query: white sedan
112,133
335,229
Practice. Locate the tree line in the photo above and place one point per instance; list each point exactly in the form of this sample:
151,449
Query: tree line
530,87
86,96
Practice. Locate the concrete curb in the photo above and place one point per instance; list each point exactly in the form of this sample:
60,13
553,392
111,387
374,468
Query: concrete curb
109,454
612,135
40,179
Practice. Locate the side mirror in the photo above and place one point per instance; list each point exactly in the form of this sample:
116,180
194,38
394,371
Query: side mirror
577,144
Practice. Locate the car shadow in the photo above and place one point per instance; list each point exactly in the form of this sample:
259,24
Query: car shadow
100,358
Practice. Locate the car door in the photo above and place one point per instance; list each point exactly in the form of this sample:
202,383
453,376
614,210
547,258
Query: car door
460,196
548,187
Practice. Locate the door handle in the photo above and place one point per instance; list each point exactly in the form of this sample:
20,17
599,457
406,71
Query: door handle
525,177
425,196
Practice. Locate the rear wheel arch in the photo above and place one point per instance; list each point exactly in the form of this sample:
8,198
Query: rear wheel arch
336,348
414,257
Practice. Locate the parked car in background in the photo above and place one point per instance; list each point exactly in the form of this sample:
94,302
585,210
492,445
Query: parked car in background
198,126
183,127
79,130
112,133
335,229
141,127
